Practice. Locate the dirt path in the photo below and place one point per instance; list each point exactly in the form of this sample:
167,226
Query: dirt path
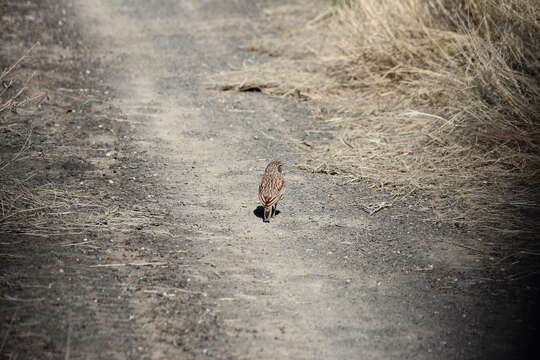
322,281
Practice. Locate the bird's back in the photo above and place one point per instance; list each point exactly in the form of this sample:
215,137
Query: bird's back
272,185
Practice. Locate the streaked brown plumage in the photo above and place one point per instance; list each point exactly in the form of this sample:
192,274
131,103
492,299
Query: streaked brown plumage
271,189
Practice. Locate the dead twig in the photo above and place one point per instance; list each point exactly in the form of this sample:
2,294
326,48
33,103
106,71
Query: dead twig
82,243
11,298
128,121
8,70
157,292
372,209
23,149
11,103
467,247
346,143
161,290
12,256
130,264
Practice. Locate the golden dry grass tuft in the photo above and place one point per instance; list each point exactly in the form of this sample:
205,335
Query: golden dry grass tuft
440,98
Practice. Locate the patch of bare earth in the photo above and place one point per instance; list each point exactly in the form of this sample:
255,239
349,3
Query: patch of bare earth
84,273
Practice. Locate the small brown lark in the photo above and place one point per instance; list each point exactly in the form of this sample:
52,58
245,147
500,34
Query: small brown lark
271,189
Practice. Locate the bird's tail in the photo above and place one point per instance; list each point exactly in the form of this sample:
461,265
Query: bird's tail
267,213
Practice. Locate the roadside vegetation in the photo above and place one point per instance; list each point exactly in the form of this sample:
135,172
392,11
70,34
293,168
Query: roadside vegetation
18,202
28,202
434,98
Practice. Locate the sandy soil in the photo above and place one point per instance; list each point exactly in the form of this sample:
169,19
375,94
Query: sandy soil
186,268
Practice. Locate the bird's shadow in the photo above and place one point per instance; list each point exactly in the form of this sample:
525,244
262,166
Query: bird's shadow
259,212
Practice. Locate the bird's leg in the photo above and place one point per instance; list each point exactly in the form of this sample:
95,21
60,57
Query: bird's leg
267,214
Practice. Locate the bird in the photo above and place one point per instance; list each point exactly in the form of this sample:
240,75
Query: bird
271,189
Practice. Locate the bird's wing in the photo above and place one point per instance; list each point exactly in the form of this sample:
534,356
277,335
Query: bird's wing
271,201
270,198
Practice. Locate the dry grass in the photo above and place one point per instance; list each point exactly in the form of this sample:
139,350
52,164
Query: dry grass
52,208
14,99
27,207
38,196
46,210
440,98
41,208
